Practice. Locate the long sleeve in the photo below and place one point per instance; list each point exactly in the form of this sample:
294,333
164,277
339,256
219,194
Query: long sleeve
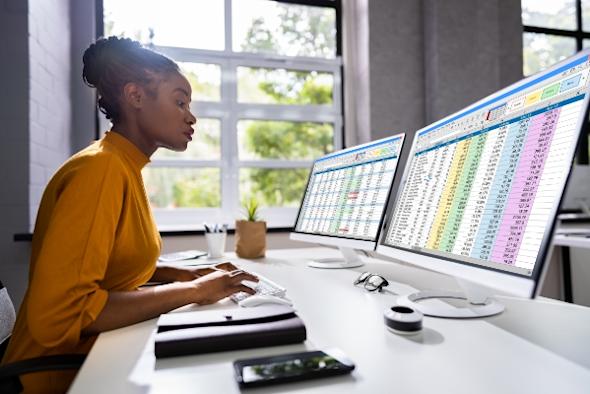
94,234
65,292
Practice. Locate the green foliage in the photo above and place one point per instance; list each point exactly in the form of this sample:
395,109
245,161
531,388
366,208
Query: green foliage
319,39
310,34
182,188
303,31
197,192
259,37
277,187
288,140
301,88
250,205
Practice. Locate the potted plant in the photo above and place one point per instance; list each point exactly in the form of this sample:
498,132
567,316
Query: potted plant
251,232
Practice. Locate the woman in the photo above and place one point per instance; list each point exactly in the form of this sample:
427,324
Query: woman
95,240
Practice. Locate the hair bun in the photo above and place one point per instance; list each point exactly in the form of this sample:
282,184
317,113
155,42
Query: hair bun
111,62
99,55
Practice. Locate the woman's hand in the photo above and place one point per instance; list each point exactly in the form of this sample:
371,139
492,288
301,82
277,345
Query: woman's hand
202,271
220,284
227,266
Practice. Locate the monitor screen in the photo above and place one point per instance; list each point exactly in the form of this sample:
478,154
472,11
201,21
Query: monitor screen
483,185
348,190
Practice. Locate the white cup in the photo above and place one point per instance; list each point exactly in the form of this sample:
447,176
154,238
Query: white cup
215,244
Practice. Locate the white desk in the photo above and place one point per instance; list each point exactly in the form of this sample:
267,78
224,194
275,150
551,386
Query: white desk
539,346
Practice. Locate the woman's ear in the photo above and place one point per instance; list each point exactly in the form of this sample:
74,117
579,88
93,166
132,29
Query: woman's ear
133,95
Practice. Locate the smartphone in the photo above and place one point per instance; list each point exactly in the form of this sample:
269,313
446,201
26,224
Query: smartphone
292,367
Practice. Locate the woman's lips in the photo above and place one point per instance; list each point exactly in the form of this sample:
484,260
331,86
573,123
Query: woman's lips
189,135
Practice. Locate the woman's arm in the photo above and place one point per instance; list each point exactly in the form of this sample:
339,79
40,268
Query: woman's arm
167,274
124,308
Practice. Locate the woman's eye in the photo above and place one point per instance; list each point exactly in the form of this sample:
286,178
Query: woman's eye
180,103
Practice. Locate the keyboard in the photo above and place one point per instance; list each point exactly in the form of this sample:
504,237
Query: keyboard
264,286
184,255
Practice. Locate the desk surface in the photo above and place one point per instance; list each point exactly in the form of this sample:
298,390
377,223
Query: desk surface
538,346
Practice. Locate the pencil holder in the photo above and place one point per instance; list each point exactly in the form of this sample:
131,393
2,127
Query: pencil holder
215,243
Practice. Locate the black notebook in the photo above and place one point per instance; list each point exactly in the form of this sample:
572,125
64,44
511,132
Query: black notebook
188,333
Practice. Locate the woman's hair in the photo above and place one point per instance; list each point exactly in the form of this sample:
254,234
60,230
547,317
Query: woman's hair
110,63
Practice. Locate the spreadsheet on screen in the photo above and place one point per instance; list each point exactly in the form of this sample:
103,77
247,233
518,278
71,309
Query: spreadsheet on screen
482,184
347,191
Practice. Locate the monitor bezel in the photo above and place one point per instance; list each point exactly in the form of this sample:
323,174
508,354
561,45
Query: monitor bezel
527,285
352,242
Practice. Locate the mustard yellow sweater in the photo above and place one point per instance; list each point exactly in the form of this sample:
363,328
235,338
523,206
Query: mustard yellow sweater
94,233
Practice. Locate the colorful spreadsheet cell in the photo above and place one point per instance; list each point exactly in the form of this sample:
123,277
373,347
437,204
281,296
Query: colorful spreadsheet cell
532,98
550,91
570,83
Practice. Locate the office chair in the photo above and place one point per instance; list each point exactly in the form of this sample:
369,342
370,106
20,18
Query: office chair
9,373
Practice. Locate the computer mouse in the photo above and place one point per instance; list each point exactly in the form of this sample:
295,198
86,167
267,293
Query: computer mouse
259,299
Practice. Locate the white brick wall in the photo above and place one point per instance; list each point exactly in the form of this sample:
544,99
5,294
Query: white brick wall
49,93
35,108
14,157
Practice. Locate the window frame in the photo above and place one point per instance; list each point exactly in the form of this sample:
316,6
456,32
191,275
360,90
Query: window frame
229,111
579,34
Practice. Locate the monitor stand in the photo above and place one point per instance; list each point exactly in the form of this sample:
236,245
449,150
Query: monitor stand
351,259
480,302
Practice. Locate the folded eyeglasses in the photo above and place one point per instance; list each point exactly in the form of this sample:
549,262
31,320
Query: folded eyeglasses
371,282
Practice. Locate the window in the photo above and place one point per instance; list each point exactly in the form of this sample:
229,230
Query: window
552,31
267,92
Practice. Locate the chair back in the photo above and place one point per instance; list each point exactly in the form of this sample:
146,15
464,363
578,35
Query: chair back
7,319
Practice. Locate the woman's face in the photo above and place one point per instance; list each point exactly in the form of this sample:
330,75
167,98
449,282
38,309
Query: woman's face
166,119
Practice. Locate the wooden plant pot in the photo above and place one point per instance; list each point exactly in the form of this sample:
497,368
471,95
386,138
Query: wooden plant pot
250,239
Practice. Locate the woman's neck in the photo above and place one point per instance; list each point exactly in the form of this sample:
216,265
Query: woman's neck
133,134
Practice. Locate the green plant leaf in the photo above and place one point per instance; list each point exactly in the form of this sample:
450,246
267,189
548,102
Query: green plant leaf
251,205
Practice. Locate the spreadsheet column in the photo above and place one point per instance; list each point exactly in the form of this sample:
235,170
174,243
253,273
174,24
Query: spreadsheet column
405,206
433,190
554,172
312,211
483,178
334,204
364,194
372,218
524,186
462,191
431,169
446,198
499,189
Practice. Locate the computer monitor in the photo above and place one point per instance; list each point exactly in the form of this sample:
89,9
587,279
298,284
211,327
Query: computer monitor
481,189
345,199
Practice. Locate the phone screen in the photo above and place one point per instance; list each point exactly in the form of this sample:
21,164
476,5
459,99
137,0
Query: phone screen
290,367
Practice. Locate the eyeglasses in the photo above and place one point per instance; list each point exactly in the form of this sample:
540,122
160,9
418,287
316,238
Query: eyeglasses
371,281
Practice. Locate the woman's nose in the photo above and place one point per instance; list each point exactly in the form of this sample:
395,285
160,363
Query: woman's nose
192,119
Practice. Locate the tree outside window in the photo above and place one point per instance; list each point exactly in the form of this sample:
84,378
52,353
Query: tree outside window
263,134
